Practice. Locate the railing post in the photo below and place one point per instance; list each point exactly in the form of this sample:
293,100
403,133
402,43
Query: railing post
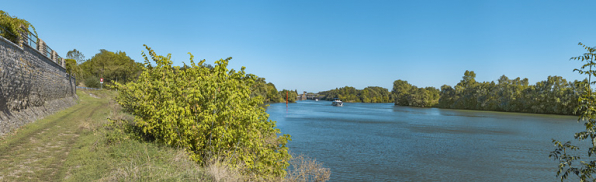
63,63
40,46
23,34
53,57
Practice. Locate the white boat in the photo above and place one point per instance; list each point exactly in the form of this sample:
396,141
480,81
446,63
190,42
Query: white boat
316,99
337,102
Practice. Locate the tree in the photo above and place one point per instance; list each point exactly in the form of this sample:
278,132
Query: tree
587,110
447,97
467,87
71,66
73,59
76,55
112,66
401,90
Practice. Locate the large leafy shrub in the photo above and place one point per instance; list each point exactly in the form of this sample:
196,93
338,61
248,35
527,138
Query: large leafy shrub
209,112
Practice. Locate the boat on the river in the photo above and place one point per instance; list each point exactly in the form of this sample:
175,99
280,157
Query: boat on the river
337,102
316,99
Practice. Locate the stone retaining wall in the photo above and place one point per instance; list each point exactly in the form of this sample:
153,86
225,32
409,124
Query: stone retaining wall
32,86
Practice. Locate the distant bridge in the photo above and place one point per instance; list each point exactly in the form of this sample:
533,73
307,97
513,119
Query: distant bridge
308,96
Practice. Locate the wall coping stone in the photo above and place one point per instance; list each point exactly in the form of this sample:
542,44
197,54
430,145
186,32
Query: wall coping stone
47,60
10,42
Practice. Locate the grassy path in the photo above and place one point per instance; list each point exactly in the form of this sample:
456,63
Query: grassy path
73,145
37,151
76,145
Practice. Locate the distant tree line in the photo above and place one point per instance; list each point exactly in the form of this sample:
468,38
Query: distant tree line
351,94
552,96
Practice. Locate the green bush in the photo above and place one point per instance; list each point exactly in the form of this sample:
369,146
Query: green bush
92,81
208,112
10,27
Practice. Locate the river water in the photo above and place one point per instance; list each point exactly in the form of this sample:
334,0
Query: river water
383,142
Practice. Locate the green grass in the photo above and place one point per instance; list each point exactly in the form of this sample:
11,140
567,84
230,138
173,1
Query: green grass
71,145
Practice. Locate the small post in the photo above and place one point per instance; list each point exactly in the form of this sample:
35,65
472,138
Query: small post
24,36
53,57
101,82
40,46
286,99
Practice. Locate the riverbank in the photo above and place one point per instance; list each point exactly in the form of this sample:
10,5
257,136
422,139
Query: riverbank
80,144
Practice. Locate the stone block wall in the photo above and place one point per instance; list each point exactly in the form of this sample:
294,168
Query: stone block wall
32,86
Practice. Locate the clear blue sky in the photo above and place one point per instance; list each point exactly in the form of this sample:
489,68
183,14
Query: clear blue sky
321,45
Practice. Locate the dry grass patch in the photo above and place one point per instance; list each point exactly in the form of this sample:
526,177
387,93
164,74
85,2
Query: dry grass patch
219,170
306,169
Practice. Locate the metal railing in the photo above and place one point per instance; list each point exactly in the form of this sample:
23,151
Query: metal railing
32,41
8,35
87,88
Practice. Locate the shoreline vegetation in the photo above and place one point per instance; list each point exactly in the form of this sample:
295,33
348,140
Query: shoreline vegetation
552,96
555,95
371,94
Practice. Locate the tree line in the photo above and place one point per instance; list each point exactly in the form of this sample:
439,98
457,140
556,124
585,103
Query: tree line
370,94
555,95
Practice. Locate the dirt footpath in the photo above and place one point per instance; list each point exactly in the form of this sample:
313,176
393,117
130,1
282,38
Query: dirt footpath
37,151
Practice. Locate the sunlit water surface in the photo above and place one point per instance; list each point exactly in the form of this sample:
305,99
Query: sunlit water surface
383,142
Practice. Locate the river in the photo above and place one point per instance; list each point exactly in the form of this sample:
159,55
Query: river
383,142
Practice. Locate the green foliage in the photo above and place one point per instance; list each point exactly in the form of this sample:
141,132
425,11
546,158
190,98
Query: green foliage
587,114
12,27
588,57
292,95
76,55
208,112
92,82
351,94
72,68
71,65
401,90
375,95
408,95
266,91
552,96
111,66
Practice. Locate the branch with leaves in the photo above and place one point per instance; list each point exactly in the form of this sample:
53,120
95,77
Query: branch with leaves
587,114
